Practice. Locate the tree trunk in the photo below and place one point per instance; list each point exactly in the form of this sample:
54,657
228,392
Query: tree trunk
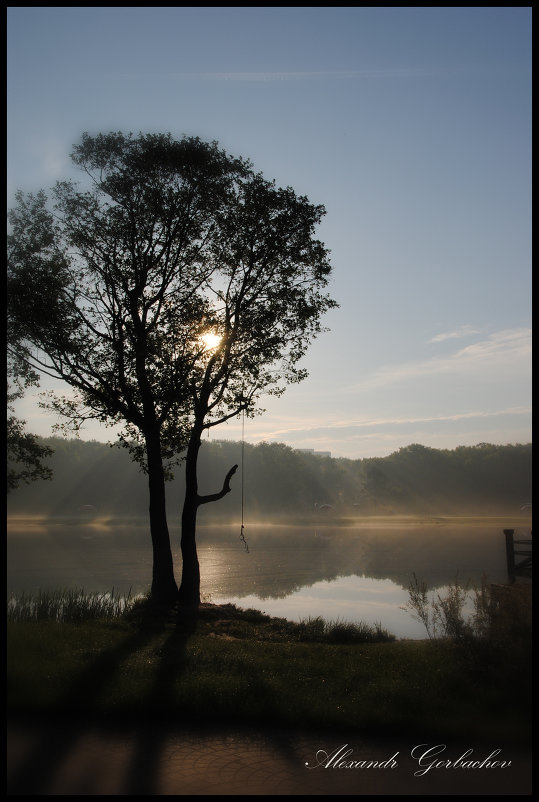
164,588
189,593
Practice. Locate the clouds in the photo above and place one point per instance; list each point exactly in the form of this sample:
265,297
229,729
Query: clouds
370,422
350,426
501,355
462,331
439,401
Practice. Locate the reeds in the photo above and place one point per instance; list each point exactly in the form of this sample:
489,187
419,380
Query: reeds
68,605
322,631
501,613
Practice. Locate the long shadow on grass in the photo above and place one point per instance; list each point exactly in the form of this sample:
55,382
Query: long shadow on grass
76,708
142,776
148,727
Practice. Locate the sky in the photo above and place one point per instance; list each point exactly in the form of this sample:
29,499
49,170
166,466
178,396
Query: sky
412,126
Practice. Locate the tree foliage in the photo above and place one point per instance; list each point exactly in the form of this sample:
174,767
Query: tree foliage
26,454
114,288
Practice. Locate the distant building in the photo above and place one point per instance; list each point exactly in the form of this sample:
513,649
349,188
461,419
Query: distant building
316,453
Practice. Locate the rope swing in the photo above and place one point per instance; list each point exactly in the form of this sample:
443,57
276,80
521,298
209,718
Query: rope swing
242,534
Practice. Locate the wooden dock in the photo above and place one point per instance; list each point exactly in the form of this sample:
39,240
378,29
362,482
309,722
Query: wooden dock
522,549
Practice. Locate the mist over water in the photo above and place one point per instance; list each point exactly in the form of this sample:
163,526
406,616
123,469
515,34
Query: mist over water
351,569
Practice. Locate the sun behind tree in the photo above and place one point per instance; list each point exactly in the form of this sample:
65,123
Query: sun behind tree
211,340
121,288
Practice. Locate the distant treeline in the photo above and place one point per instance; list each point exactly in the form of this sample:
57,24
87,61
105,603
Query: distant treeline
89,476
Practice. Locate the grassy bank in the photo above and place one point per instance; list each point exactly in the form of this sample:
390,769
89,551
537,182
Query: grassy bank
242,667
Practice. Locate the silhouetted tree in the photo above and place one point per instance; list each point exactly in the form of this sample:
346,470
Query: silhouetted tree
263,303
24,451
180,286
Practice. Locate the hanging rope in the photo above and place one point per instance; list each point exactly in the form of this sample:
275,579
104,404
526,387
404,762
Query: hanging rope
242,534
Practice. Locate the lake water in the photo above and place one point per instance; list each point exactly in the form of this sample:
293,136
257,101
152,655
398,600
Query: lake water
347,569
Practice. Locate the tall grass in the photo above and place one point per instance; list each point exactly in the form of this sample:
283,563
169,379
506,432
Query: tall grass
72,606
501,613
441,616
322,631
68,605
240,623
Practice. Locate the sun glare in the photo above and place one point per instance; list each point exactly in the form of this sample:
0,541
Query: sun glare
211,340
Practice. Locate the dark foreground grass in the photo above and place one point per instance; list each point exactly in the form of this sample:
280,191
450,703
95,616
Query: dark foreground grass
229,666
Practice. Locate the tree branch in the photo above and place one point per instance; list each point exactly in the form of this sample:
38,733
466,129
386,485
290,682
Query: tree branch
226,489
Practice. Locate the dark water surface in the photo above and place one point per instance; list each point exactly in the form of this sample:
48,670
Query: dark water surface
345,569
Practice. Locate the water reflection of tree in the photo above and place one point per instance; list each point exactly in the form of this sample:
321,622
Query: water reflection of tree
283,560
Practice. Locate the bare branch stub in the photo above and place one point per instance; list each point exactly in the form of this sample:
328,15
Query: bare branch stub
225,489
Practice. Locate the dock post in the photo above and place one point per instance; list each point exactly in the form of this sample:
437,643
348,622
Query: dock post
510,553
